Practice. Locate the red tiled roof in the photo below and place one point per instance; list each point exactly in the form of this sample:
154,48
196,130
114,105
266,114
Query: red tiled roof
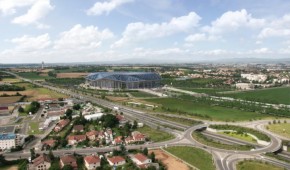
118,139
49,142
77,137
91,133
116,159
63,122
42,158
67,159
119,117
4,108
141,157
92,159
78,127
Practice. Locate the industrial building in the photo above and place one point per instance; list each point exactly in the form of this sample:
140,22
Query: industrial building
123,80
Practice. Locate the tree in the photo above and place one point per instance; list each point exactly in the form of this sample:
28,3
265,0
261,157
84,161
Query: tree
123,150
135,124
152,156
20,109
68,113
145,151
32,153
109,120
50,155
67,167
77,107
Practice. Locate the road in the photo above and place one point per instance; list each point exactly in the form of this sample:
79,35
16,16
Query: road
223,158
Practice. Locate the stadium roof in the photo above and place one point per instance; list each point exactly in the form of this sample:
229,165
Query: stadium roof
7,129
124,76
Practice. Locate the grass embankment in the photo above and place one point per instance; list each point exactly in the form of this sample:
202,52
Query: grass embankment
255,165
183,121
209,142
282,129
279,95
210,91
241,130
33,76
155,135
194,156
205,110
142,94
242,136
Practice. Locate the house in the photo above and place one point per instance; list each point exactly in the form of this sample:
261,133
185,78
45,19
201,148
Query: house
118,140
122,120
129,140
92,135
74,139
140,159
42,162
78,128
61,124
55,114
138,137
68,160
116,161
92,162
47,144
101,135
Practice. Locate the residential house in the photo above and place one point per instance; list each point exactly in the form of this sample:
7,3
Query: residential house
138,137
42,162
92,135
61,124
78,128
74,139
140,159
47,144
68,160
92,162
116,161
4,111
118,140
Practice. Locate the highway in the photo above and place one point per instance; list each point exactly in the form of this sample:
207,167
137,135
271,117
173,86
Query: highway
224,159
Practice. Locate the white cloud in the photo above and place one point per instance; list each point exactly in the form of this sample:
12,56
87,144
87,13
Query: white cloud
37,11
196,37
80,37
233,20
140,31
261,51
8,7
30,43
106,7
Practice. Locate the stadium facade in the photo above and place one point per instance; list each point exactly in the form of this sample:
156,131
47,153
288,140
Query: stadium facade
123,80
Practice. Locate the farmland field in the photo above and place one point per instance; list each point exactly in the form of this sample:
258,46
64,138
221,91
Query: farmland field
255,165
142,94
32,76
11,99
155,135
215,112
194,156
279,95
71,75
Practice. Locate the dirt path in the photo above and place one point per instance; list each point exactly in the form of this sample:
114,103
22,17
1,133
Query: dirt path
170,162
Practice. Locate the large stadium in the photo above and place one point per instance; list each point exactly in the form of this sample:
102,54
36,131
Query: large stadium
123,80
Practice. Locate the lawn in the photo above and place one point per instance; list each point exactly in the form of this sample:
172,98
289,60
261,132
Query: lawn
142,94
194,156
34,128
215,112
280,95
282,129
10,80
33,76
243,137
155,135
9,167
255,165
205,90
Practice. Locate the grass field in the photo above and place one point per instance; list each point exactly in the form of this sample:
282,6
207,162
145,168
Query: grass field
11,99
9,167
279,95
142,94
215,112
255,165
282,129
34,128
240,136
155,135
180,120
205,90
10,80
33,76
194,156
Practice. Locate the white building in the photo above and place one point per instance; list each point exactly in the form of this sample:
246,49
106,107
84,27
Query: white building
244,86
8,138
140,159
92,162
255,77
94,116
116,161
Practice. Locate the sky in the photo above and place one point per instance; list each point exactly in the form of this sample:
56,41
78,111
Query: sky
64,31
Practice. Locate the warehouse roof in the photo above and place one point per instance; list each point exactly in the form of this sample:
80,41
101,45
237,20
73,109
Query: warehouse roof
124,76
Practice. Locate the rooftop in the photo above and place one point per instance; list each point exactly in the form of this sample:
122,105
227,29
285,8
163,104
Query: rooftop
124,76
7,129
92,159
